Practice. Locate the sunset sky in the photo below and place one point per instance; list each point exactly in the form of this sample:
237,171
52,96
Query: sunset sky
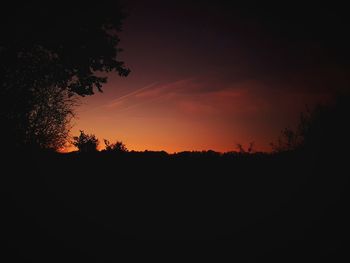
208,75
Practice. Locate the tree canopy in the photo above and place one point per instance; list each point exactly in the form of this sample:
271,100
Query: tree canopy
78,40
53,44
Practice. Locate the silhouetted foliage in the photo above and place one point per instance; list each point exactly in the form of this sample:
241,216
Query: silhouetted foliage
78,41
118,147
86,143
49,118
319,130
260,201
49,52
249,150
288,140
326,129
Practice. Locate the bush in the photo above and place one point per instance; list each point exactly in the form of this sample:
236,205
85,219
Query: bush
85,142
119,146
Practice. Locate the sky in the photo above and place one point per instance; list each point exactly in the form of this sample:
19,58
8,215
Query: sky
211,74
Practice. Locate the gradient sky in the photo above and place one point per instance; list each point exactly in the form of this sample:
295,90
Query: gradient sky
208,75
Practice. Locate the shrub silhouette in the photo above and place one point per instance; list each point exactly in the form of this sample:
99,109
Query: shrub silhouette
119,146
86,143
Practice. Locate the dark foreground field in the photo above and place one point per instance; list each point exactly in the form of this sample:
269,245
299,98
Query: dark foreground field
81,207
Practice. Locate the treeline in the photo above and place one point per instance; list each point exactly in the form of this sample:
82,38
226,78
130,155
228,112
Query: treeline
322,130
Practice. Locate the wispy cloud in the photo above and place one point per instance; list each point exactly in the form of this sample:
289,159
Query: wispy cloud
149,93
192,97
118,101
166,88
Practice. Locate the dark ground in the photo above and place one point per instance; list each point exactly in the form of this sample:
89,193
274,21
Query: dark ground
292,206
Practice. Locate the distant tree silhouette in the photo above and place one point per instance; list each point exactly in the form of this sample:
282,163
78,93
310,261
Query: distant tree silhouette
323,129
51,50
86,143
288,140
251,147
115,147
326,130
249,150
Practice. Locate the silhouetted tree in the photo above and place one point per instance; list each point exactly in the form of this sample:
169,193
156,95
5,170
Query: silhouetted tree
241,149
326,128
86,143
251,147
115,147
49,119
288,140
48,49
323,129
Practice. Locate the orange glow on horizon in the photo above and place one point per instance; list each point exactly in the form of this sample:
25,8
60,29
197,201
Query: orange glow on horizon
204,86
184,115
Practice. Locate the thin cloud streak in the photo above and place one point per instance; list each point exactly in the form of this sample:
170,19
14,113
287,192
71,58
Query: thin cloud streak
149,93
117,101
